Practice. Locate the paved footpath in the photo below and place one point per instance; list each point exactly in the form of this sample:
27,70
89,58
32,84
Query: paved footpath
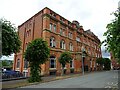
105,79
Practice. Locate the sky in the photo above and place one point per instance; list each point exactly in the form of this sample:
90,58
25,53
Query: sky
91,14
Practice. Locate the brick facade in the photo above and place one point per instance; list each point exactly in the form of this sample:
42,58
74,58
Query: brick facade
61,35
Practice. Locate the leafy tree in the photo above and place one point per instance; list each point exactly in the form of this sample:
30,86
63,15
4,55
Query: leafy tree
107,64
64,58
104,61
4,63
100,61
112,41
36,54
10,40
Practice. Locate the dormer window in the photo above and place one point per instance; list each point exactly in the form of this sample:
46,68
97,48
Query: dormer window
61,19
52,14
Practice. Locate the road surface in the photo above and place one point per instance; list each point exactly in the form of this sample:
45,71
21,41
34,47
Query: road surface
105,79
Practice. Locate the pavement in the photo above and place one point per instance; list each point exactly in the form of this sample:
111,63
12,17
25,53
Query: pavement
47,79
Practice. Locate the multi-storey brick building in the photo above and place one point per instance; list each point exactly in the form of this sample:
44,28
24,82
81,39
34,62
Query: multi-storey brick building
114,62
61,35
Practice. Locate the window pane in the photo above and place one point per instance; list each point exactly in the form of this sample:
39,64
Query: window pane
60,31
51,26
52,63
54,28
18,63
60,44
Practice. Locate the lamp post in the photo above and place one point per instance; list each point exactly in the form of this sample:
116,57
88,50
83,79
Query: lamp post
119,4
83,55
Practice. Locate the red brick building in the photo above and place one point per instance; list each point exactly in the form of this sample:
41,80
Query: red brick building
114,62
61,35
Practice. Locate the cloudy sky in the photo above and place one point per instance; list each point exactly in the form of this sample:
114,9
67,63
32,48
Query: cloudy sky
91,14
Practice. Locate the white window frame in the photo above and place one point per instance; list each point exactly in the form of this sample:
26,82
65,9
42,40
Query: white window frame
61,31
71,46
18,63
55,27
54,62
51,25
91,63
25,62
72,64
63,44
52,42
78,39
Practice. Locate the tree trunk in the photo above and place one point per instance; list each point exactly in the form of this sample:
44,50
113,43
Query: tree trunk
62,71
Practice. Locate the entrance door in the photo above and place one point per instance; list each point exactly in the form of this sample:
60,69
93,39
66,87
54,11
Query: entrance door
52,65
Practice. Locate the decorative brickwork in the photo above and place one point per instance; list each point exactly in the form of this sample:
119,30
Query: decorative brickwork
61,35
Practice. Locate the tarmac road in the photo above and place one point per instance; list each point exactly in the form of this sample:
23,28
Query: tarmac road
106,79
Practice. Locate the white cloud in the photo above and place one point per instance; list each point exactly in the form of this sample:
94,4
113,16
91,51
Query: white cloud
92,14
11,57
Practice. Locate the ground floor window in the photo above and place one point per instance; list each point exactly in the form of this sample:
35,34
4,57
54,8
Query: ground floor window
71,64
25,74
18,63
25,64
52,62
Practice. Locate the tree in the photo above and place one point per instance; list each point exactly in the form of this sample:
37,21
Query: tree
107,64
112,41
6,64
104,61
100,61
10,40
36,54
64,58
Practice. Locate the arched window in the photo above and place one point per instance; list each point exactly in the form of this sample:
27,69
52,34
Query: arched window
52,62
62,44
25,64
71,46
51,26
52,42
72,64
18,63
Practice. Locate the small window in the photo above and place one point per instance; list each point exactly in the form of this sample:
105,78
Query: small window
29,32
52,62
78,39
71,46
54,28
70,35
18,63
71,64
50,26
62,44
52,42
61,31
25,64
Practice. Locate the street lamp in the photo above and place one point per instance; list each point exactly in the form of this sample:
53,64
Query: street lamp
83,55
